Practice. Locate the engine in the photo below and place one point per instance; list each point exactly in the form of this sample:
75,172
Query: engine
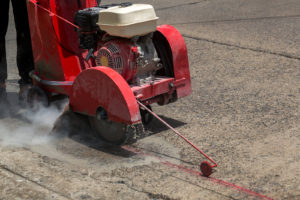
136,60
127,48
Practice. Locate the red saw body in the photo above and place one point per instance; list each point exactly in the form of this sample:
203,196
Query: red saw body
102,72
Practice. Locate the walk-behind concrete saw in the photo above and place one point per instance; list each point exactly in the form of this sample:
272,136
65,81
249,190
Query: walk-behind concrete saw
111,61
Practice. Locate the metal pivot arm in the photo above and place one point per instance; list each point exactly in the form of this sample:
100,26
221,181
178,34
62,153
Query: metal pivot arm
205,167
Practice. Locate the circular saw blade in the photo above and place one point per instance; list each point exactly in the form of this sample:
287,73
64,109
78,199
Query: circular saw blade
113,132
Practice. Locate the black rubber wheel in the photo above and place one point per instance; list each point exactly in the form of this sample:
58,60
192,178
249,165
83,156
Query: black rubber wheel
37,98
146,116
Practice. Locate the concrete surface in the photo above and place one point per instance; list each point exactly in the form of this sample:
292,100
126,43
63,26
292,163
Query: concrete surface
244,112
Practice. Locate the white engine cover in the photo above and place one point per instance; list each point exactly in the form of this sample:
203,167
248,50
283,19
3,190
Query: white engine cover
130,21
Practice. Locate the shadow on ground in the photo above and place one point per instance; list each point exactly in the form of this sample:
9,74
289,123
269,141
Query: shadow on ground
76,127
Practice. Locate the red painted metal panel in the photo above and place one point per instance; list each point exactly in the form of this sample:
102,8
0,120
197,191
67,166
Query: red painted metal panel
106,88
180,58
55,42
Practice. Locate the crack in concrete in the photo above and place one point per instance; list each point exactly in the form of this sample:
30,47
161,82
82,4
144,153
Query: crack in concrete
194,184
179,5
149,194
243,47
131,187
34,182
237,20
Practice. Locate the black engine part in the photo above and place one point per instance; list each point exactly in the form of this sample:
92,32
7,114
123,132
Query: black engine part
87,20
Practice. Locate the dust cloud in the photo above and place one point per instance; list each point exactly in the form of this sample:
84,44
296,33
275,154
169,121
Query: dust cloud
29,127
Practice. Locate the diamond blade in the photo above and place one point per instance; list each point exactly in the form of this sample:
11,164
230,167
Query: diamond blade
112,132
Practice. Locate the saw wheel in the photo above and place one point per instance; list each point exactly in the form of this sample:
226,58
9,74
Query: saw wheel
114,132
